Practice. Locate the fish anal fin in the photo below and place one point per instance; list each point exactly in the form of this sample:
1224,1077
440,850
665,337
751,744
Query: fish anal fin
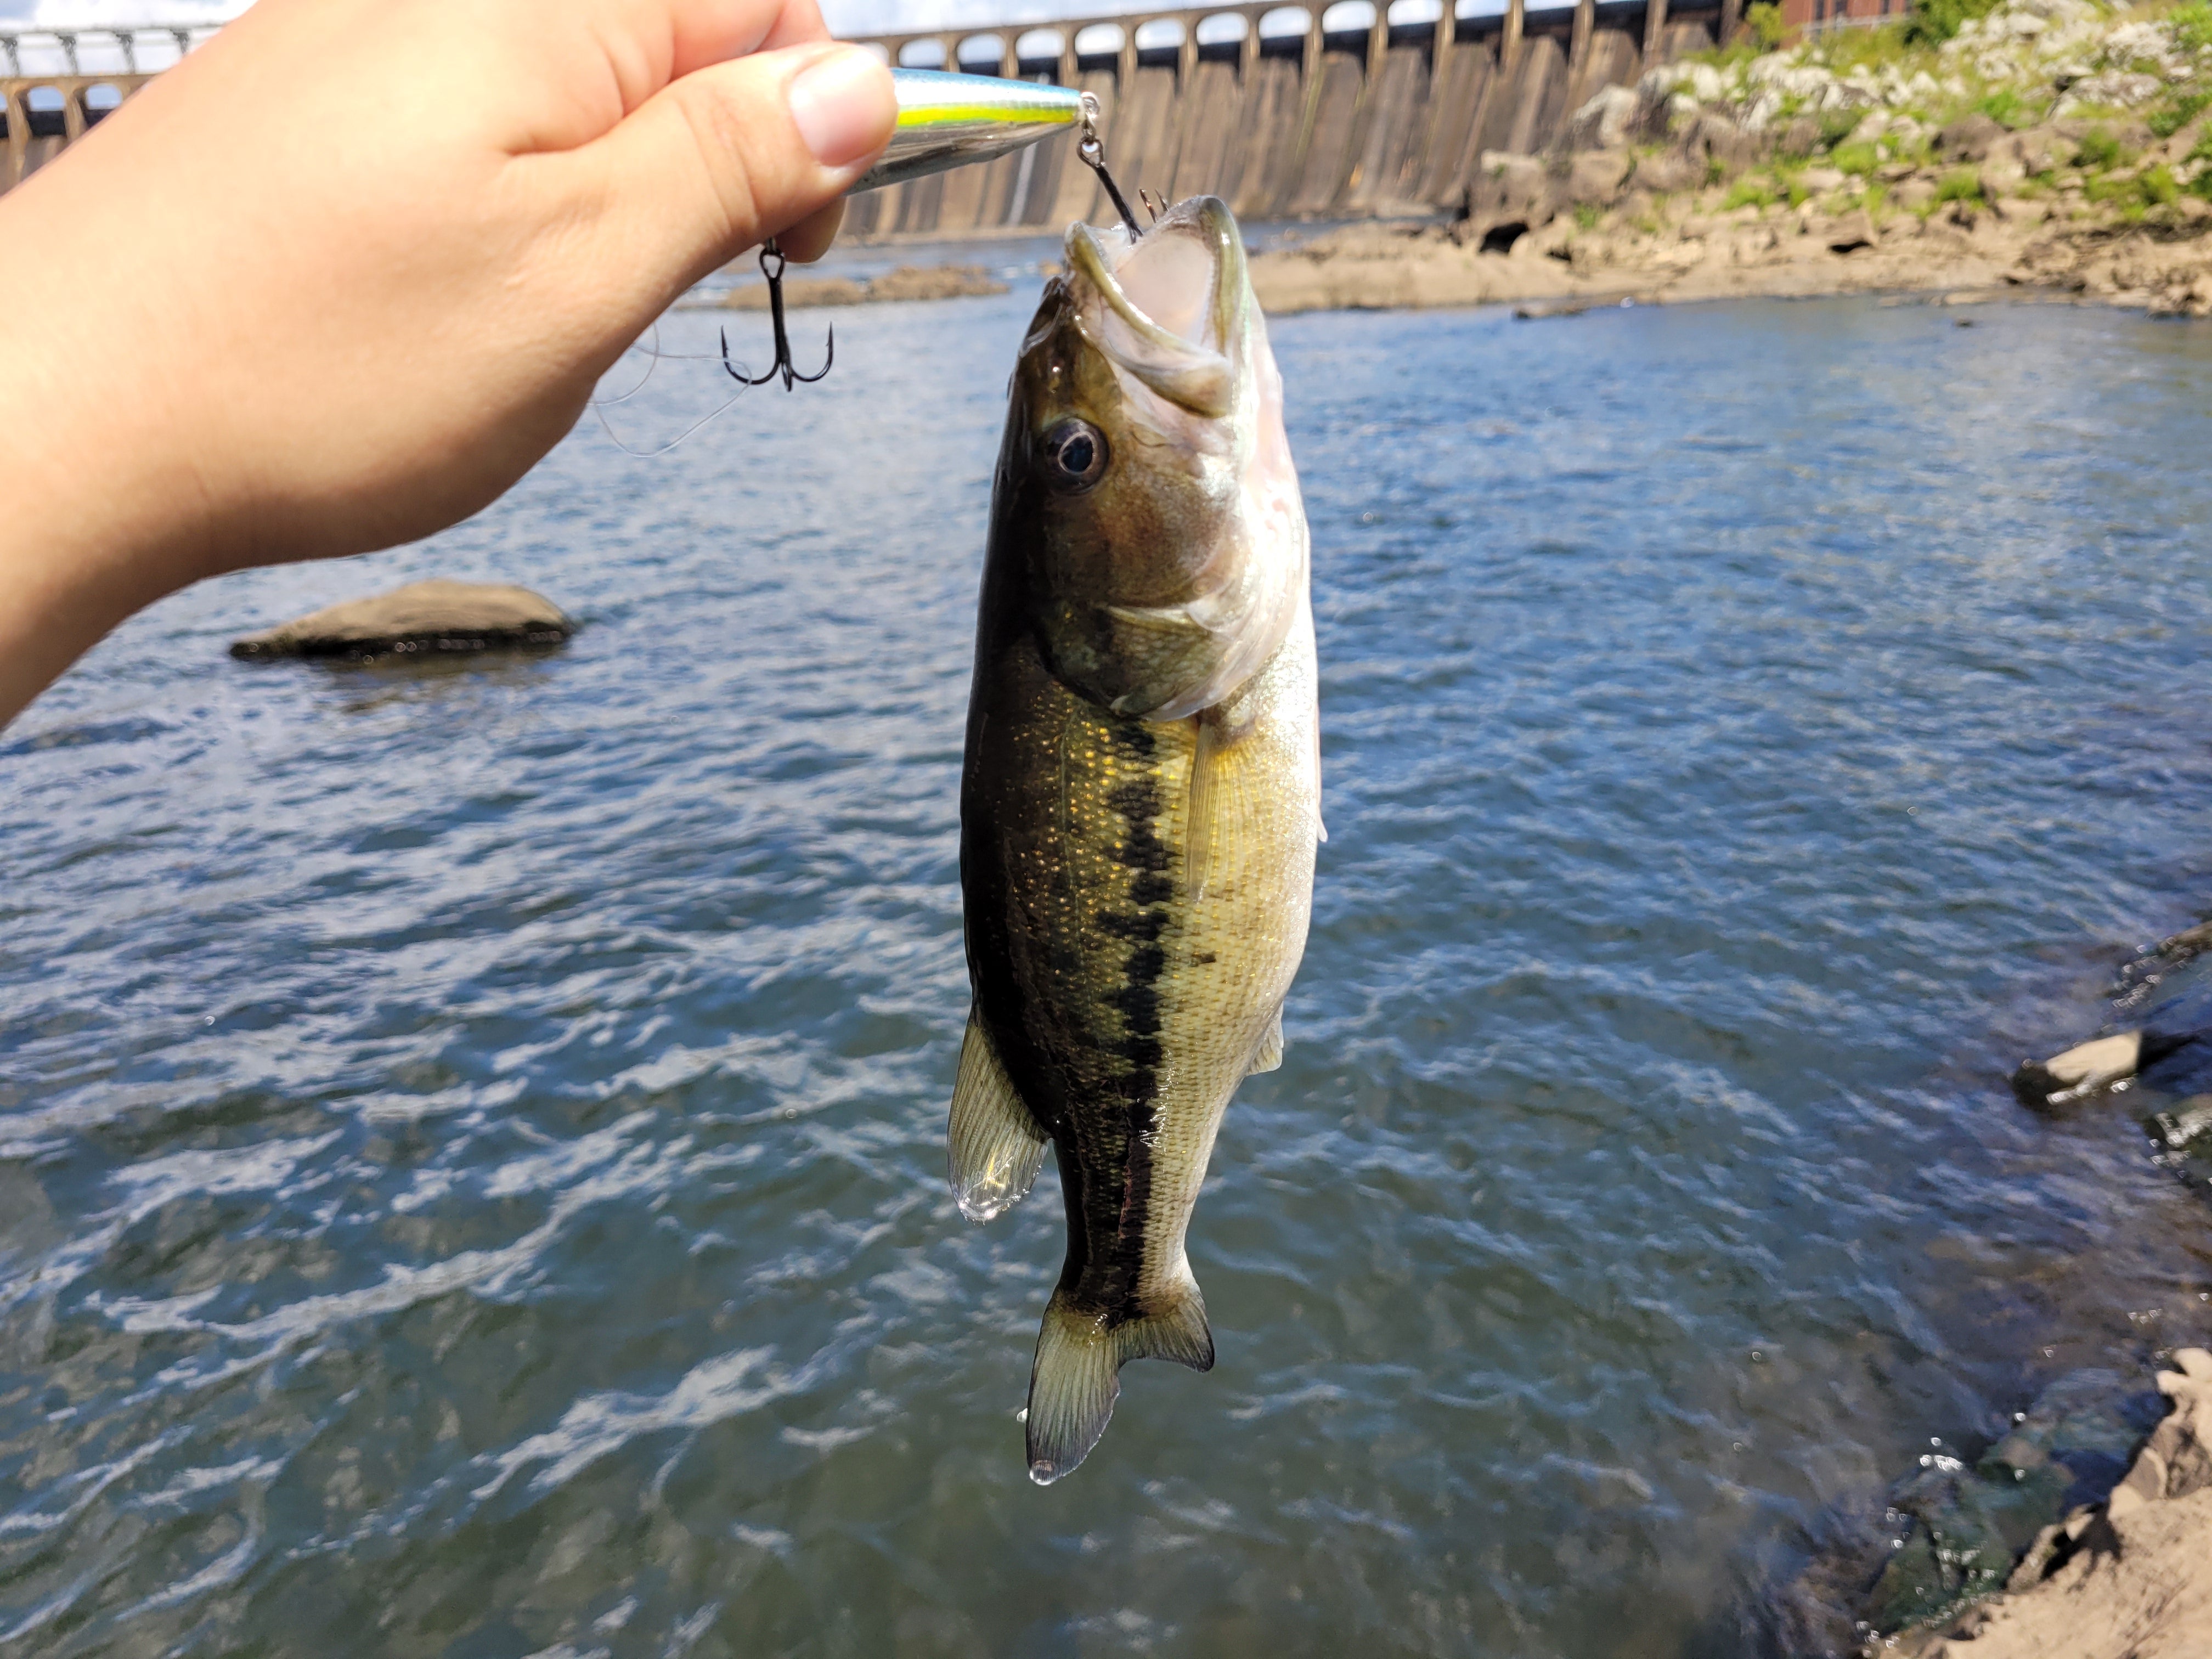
1178,1332
1269,1055
1072,1388
992,1139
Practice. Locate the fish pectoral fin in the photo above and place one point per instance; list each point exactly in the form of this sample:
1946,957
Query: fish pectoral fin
1073,1384
1204,815
1076,1376
992,1139
1269,1055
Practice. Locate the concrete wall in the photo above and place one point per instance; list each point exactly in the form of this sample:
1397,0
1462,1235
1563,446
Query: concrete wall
43,113
1380,120
1374,120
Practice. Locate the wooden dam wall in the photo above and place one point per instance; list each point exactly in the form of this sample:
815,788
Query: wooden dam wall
1384,120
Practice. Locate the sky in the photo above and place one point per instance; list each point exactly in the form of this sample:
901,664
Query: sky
845,16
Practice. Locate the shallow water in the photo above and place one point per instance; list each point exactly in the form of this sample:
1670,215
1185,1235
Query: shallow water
470,1138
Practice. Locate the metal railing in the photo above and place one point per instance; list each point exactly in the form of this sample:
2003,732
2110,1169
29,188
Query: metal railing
73,45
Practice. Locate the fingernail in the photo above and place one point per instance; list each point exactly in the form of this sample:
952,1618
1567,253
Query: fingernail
841,105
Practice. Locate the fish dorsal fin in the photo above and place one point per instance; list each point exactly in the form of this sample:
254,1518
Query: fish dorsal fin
1270,1053
993,1140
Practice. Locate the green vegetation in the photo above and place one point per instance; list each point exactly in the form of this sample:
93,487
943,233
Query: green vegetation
2137,194
2100,152
2177,112
2192,25
1748,192
1837,125
1934,22
1859,160
1764,22
1964,184
1587,214
2007,108
1847,49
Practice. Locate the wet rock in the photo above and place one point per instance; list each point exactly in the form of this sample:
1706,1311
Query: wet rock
2188,943
1970,1531
2128,1579
426,618
2080,1071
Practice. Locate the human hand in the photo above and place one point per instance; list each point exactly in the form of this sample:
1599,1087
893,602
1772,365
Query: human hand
338,279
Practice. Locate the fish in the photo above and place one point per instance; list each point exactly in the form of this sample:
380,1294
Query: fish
1140,792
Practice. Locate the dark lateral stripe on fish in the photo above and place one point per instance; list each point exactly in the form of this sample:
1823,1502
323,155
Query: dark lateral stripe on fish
1136,800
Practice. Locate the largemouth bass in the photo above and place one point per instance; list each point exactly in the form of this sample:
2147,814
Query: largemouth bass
1141,794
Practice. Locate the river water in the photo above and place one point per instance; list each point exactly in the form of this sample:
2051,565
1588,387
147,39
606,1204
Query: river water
471,1139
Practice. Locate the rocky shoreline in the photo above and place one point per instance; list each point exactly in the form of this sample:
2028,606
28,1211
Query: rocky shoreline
2131,1575
2050,147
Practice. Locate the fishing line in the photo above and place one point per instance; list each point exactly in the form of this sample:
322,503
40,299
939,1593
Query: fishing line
653,358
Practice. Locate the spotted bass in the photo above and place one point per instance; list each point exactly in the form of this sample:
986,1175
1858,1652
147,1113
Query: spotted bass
1141,795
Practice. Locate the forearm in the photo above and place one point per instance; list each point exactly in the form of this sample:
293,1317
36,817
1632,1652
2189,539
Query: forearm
101,512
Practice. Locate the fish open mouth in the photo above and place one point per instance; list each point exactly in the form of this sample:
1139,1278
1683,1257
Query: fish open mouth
1171,302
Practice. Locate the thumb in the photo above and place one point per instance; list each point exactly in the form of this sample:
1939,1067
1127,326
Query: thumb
731,154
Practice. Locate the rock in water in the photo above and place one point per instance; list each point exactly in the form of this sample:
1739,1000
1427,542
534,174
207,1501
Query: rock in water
429,618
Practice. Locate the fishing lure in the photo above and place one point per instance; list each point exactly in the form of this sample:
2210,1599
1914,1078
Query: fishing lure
945,121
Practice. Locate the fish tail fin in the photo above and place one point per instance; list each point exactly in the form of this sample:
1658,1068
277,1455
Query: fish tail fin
1178,1332
1072,1388
1076,1378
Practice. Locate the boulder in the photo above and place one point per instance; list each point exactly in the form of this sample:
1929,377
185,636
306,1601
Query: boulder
1714,137
1595,176
1506,183
2041,149
1608,121
1666,172
1850,233
428,617
1970,138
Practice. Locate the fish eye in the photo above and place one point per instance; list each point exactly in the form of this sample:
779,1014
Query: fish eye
1074,455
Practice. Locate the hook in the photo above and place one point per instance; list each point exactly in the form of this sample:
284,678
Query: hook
1094,157
783,365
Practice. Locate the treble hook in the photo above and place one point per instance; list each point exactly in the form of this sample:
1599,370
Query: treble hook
1093,153
783,365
